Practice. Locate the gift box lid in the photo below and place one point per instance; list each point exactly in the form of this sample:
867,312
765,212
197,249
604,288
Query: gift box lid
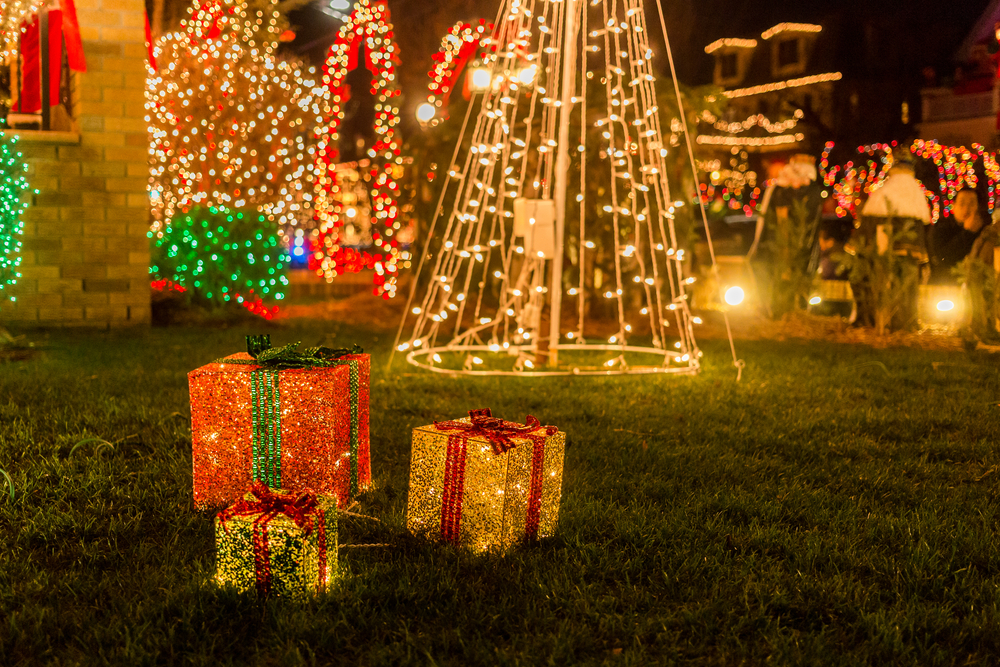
516,434
220,366
325,503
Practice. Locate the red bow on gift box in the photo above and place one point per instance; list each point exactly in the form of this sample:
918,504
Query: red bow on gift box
302,508
500,433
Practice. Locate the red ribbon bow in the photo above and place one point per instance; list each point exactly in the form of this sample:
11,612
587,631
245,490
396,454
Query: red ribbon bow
500,433
302,508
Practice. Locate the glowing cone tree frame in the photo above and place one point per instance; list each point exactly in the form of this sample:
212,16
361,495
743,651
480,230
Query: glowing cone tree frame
518,205
228,120
368,31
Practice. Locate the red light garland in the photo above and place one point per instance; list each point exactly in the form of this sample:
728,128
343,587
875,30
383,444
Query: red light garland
368,27
461,43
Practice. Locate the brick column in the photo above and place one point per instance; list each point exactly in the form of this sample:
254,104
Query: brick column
86,254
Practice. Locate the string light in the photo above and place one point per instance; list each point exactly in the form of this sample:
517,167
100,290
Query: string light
782,85
790,27
731,43
715,140
13,185
368,28
15,15
462,43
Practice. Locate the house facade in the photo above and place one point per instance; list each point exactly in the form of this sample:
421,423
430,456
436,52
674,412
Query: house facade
85,259
961,106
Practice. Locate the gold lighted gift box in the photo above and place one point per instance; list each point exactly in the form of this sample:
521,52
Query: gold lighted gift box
484,483
277,543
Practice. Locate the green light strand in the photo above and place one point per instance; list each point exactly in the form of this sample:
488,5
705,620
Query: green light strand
13,203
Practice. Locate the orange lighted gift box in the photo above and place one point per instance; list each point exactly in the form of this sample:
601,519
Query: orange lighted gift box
257,417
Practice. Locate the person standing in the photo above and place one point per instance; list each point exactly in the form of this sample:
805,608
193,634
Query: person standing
953,237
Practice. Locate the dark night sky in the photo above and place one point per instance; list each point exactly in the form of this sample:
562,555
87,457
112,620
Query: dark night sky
926,32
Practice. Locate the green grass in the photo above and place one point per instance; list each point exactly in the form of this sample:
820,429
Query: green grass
838,506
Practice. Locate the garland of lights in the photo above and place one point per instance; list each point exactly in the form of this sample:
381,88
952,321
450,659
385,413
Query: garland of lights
782,85
228,121
12,206
461,43
756,120
368,27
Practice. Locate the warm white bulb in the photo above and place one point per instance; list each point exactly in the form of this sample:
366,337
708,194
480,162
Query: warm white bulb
425,112
734,296
945,305
479,79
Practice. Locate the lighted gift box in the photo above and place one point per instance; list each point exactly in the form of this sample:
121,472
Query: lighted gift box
293,420
277,542
485,483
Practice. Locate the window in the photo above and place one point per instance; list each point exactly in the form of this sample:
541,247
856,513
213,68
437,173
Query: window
32,75
729,66
788,53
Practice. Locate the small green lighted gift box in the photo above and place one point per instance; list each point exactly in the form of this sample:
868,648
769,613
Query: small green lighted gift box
277,542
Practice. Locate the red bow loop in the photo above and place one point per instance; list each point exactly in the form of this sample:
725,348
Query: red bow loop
301,508
498,432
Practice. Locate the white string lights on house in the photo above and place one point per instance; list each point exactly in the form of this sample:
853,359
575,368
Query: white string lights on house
228,121
790,27
754,121
755,142
782,85
367,31
732,43
14,17
481,301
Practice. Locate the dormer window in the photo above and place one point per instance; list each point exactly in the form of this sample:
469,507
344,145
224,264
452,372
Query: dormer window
791,44
789,53
729,66
732,59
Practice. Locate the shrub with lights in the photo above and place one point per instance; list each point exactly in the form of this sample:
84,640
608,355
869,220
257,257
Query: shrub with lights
222,256
13,185
229,122
368,31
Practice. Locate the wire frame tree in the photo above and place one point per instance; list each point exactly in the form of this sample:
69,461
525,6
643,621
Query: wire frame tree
562,198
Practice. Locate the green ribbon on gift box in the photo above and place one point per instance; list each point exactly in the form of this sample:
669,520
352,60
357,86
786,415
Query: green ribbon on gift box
266,399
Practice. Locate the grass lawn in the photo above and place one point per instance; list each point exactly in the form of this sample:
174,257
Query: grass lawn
838,506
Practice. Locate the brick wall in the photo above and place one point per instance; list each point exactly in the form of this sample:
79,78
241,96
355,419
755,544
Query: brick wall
86,255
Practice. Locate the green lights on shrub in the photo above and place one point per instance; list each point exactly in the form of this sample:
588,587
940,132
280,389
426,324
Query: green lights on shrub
218,255
13,185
